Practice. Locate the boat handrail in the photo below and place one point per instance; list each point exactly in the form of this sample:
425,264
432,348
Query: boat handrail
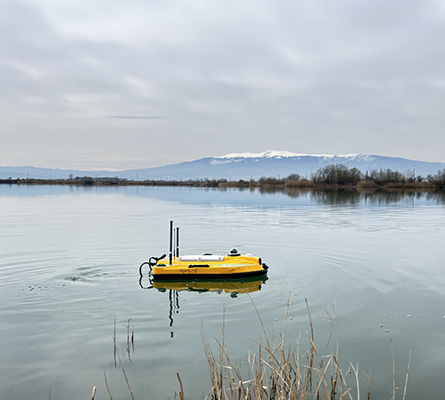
201,258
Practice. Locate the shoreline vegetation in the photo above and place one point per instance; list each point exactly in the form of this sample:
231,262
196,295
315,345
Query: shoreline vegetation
329,177
280,370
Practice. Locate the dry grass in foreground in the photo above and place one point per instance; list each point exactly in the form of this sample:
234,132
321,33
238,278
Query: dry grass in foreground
279,373
276,372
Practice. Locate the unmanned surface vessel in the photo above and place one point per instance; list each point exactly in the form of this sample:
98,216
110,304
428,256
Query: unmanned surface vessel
205,266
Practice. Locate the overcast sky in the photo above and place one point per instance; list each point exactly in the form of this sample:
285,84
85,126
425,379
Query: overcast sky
141,83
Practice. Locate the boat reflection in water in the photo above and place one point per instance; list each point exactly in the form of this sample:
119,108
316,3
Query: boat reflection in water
247,285
232,287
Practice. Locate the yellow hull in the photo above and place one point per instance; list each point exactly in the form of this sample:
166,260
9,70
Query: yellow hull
209,267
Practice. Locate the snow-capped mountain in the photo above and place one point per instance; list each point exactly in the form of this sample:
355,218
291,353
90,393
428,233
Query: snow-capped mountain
241,166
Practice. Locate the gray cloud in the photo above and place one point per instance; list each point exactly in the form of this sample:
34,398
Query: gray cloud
309,76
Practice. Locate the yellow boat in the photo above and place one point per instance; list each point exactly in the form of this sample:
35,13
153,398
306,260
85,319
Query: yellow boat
205,266
209,266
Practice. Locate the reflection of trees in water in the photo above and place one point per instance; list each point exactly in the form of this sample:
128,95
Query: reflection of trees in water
408,196
387,197
326,196
298,192
336,196
270,190
352,196
438,197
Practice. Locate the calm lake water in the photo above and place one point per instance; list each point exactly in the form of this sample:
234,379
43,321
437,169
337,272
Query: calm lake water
69,260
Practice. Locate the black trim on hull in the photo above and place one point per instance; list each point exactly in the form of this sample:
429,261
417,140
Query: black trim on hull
189,277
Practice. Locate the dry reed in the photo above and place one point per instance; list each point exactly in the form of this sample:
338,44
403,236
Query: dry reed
367,185
301,183
277,372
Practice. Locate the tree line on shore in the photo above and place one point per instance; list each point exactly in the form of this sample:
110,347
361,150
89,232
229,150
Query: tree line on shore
330,176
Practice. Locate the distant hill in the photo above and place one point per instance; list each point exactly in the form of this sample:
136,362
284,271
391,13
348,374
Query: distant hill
50,173
240,166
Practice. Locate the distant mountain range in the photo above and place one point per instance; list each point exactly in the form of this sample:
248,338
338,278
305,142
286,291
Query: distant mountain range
240,166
